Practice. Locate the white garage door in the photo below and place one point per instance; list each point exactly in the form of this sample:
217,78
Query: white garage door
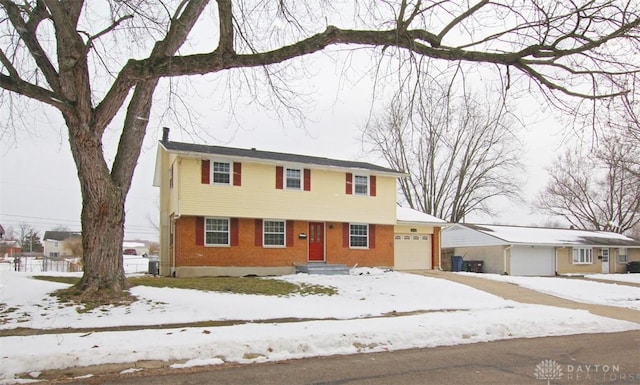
527,260
412,251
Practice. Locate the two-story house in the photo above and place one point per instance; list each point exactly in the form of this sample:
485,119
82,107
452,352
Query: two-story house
231,211
53,243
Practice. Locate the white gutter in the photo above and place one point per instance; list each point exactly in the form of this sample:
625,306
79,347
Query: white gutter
173,240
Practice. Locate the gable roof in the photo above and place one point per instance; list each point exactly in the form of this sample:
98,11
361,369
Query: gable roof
59,235
271,157
521,235
406,215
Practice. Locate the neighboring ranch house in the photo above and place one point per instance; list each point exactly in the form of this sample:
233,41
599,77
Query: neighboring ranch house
231,211
53,243
535,251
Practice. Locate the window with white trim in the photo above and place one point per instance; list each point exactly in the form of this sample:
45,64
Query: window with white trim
582,255
358,235
361,184
293,178
622,255
221,172
273,233
216,231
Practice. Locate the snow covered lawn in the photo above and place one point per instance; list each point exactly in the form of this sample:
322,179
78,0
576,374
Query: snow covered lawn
445,313
632,278
578,290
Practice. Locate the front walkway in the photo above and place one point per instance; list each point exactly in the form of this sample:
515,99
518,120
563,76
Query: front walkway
520,294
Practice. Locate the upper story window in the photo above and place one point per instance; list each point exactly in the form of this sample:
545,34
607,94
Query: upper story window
361,184
221,172
216,231
358,235
293,178
273,233
582,255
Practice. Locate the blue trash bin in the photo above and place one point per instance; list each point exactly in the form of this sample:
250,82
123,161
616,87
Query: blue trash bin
457,263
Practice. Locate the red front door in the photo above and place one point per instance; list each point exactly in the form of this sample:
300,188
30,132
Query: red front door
316,241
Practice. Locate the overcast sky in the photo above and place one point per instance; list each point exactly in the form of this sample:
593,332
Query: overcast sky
39,186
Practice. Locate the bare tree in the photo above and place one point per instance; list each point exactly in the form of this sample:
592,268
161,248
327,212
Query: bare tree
73,245
65,54
596,188
459,153
29,238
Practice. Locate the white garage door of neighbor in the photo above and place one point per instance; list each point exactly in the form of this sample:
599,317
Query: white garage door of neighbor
527,260
412,251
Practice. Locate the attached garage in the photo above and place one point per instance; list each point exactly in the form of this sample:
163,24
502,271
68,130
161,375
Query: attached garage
416,244
533,261
412,251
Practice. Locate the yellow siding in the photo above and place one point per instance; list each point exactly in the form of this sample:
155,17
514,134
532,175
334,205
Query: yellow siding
258,197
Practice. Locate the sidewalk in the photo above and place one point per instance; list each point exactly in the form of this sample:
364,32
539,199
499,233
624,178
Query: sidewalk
520,294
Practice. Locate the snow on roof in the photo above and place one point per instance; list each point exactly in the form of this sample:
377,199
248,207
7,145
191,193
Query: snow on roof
409,215
549,236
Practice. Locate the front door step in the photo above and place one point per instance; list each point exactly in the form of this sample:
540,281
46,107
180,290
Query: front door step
323,269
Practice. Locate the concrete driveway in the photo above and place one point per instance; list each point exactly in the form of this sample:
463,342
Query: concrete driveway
520,294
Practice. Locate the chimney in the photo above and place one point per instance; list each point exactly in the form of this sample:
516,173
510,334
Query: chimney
165,134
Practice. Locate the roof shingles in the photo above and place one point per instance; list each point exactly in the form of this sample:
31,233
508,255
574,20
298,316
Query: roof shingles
271,156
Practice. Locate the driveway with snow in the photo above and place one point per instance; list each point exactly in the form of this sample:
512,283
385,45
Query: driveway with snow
581,290
358,319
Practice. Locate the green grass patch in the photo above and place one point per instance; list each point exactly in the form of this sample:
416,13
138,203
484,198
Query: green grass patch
69,280
237,285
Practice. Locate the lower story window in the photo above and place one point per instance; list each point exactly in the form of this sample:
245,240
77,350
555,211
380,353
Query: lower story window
582,256
358,235
622,255
273,233
216,232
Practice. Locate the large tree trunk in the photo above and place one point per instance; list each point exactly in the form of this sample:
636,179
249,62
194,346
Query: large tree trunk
102,215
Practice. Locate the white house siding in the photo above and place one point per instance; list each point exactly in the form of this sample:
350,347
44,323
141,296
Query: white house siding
457,236
492,257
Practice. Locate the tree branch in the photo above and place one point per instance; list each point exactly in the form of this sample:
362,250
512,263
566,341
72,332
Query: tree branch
28,34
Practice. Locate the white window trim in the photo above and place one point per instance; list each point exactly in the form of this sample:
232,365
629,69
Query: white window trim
355,190
621,253
359,247
228,244
577,261
212,172
284,178
284,238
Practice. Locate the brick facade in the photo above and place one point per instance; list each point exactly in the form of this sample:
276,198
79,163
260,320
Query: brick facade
247,254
